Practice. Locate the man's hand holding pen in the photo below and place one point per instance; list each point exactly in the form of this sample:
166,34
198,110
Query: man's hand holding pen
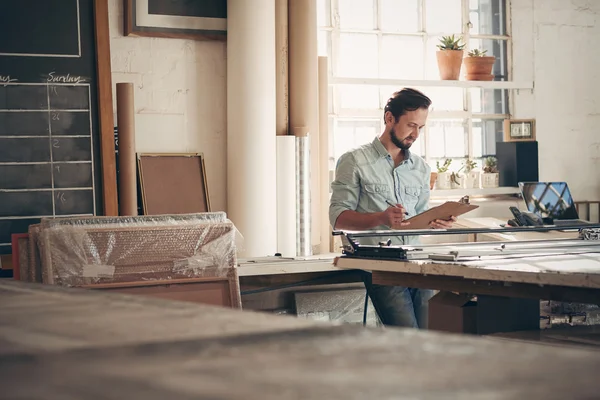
394,216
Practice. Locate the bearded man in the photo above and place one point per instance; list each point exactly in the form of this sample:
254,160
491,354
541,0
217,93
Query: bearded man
380,184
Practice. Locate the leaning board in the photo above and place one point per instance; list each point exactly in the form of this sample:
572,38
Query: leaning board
54,92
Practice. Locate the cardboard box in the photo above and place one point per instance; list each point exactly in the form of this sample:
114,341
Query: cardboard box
463,313
452,312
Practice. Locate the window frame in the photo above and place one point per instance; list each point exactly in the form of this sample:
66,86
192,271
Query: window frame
466,114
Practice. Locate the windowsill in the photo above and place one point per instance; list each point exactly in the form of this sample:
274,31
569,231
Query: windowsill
434,83
458,193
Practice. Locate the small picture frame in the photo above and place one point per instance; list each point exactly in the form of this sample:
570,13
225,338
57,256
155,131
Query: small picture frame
519,130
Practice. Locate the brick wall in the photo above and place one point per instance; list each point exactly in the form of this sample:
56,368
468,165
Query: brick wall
555,44
180,96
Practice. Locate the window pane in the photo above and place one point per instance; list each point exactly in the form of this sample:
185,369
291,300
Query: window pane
488,17
489,101
447,138
323,13
400,16
351,134
330,99
445,99
357,14
358,55
485,135
443,16
497,48
324,43
401,57
417,146
358,96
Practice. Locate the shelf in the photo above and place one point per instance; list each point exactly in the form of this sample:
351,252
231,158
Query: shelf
433,83
458,193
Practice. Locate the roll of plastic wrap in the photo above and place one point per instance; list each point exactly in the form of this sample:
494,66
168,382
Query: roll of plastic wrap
303,210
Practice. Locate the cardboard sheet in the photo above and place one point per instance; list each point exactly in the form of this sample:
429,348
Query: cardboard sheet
443,211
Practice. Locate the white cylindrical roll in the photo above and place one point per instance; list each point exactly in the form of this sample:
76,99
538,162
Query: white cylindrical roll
251,145
286,195
303,92
324,156
303,210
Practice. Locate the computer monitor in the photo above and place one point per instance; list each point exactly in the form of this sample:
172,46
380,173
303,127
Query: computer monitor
549,199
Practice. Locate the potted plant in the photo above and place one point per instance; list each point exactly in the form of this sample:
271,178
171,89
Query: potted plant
457,181
444,177
490,176
479,66
472,176
450,57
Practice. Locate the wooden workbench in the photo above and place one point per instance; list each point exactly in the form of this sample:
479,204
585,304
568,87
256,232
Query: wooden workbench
58,343
568,277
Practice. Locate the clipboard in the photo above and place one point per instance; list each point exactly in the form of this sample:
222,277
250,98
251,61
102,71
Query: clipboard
443,211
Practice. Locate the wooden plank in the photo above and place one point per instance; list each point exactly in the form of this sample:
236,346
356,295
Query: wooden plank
283,266
105,109
492,288
308,278
564,270
145,348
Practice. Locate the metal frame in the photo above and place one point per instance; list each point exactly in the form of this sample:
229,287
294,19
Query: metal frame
376,115
589,236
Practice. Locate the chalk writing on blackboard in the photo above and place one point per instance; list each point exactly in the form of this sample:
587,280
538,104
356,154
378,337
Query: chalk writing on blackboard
6,79
58,78
46,149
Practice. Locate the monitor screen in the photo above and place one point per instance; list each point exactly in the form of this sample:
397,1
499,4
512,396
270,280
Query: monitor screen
549,199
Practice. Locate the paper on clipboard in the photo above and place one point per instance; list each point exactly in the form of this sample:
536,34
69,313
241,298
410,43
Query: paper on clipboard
443,211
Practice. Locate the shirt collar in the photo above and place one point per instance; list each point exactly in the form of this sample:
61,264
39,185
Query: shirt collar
383,153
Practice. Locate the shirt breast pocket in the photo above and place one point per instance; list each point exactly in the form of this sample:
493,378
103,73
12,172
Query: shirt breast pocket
411,196
377,194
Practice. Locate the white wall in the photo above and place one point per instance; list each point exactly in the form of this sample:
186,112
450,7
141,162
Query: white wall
555,44
180,91
180,96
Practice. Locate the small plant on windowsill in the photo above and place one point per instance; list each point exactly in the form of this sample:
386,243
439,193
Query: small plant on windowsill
472,176
444,177
449,57
490,176
479,66
458,180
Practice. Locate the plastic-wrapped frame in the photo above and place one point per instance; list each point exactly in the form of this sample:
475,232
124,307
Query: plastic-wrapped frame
84,251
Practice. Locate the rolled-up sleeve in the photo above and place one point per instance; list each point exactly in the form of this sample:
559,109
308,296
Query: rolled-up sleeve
345,189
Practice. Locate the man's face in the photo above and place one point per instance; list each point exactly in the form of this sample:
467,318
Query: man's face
404,132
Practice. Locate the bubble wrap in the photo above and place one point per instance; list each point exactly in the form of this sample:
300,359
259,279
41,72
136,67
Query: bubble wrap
84,251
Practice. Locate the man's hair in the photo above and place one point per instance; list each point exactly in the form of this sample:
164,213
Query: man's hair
406,100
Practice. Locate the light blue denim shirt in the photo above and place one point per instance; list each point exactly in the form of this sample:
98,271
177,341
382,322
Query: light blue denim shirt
366,177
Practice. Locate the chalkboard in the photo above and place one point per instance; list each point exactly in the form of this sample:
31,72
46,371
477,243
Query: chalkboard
56,145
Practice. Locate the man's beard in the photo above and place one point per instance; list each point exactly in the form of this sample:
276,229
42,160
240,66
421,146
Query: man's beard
399,143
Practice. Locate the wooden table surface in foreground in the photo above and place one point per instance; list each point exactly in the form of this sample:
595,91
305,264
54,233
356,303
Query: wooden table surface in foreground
70,343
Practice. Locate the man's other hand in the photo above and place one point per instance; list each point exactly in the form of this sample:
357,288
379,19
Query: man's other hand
442,223
394,217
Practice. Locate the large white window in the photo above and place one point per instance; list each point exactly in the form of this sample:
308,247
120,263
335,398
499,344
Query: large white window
395,41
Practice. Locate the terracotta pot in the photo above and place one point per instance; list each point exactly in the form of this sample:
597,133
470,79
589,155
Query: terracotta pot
432,178
479,68
449,63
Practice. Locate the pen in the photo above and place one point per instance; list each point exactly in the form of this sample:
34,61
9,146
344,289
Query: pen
393,205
